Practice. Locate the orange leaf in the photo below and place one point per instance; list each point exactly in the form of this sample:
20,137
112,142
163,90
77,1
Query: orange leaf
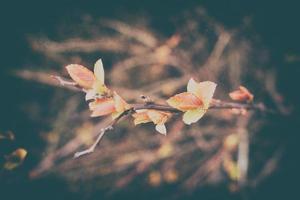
158,117
120,104
102,107
81,75
141,117
185,101
242,94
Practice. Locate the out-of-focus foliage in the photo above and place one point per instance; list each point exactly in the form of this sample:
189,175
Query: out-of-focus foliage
13,159
146,62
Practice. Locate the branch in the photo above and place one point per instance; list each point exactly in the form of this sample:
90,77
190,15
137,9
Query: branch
215,104
91,149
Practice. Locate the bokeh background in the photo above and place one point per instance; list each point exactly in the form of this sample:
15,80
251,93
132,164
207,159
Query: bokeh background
150,48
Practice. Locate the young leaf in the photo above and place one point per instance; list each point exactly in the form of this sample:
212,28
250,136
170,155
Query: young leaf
242,94
192,116
101,107
81,75
161,128
185,101
99,71
203,90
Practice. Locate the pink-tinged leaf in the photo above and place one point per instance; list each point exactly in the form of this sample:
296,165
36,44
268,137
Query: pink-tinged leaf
101,107
158,117
193,116
185,101
242,94
204,90
81,75
141,117
120,104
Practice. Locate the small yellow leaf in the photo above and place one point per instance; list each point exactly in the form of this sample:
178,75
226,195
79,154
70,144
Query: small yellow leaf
161,128
193,116
99,71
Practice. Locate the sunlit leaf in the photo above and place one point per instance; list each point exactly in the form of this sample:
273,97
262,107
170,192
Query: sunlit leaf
141,117
161,128
204,90
192,87
158,117
99,71
193,116
185,101
101,107
120,104
81,75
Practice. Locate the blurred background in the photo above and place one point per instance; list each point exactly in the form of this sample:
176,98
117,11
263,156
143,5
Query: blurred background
150,48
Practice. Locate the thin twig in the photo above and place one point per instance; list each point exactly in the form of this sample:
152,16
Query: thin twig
68,83
92,148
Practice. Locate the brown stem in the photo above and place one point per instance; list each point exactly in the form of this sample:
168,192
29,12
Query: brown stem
216,104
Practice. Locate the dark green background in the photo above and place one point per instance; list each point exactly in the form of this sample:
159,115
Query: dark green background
275,23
